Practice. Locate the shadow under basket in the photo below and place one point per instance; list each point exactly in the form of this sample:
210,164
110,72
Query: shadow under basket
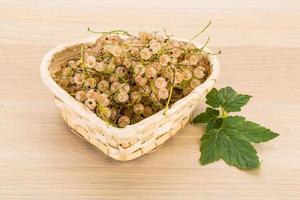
134,140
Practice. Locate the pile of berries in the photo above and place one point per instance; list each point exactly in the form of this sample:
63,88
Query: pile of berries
126,79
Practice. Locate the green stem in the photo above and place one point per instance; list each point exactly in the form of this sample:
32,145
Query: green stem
118,32
169,99
200,31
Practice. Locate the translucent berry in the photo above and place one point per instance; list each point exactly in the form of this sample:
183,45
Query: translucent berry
148,111
115,50
160,82
115,86
135,97
79,79
151,72
120,71
114,113
123,121
145,54
80,96
154,46
164,60
90,83
92,94
178,78
104,112
100,67
153,97
124,88
176,52
90,61
157,66
138,108
194,59
138,69
103,99
135,51
111,67
121,97
187,74
163,93
199,72
90,103
137,118
103,85
113,78
194,83
140,80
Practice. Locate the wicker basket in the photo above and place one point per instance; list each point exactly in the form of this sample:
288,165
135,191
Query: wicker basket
134,140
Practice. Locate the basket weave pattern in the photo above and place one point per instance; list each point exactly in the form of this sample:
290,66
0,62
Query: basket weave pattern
134,140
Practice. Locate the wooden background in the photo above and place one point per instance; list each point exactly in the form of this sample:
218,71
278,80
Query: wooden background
41,159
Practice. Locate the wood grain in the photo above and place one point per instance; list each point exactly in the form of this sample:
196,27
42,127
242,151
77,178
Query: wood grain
41,159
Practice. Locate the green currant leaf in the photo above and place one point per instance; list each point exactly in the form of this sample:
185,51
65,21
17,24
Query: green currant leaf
236,151
248,130
210,151
227,98
209,114
214,123
229,138
219,143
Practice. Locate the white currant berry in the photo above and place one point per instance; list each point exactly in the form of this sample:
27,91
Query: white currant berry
90,83
121,97
114,113
80,96
120,71
103,85
148,111
103,99
145,54
100,67
115,86
199,72
115,50
113,78
163,93
194,59
187,74
111,67
135,97
160,82
92,94
164,60
140,80
194,83
151,72
154,46
178,78
90,103
90,61
138,108
123,121
176,52
124,88
138,69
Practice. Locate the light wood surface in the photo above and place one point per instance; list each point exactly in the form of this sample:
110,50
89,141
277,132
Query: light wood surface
41,159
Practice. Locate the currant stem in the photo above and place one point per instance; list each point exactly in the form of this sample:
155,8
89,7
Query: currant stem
200,31
169,99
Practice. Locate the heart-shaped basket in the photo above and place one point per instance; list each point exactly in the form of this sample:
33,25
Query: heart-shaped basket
134,140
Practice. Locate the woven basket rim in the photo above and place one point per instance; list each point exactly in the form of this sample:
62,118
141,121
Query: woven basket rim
97,121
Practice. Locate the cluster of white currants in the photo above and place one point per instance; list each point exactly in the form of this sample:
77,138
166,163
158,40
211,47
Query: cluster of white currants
126,80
